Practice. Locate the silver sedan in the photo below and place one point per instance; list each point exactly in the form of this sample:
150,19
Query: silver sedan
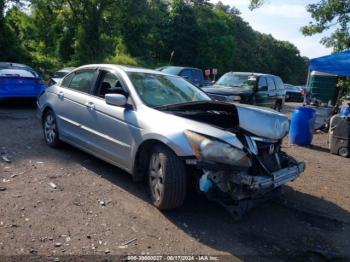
161,128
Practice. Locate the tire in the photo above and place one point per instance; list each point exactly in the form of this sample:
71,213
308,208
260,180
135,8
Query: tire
166,178
278,105
50,129
344,152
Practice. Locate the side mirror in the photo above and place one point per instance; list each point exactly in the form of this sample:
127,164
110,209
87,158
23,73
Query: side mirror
116,99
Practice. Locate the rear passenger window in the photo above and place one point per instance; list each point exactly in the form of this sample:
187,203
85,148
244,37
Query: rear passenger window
82,81
66,81
279,83
271,83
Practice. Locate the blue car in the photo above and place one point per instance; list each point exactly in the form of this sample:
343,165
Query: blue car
19,81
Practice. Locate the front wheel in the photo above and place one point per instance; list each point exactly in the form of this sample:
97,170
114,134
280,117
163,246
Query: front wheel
50,129
166,178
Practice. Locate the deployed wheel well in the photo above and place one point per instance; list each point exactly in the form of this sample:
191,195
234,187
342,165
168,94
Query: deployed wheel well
142,158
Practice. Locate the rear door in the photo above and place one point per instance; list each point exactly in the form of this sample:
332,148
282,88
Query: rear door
272,91
72,107
280,89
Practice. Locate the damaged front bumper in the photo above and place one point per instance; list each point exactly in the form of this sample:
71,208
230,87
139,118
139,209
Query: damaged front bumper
276,179
240,184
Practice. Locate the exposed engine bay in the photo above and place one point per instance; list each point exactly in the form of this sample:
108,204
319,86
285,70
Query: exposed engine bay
238,178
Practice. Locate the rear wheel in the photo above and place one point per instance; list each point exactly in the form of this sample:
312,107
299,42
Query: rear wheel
166,178
50,129
344,152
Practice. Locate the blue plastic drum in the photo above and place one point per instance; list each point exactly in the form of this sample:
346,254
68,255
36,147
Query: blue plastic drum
345,111
302,126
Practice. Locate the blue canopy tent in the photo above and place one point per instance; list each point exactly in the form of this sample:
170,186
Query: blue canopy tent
336,64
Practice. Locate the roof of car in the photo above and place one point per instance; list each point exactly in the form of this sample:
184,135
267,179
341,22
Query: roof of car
66,69
10,64
123,67
176,69
250,73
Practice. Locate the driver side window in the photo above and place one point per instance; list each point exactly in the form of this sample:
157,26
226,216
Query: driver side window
262,84
109,84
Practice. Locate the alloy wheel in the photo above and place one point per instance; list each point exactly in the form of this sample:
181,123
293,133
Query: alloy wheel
156,176
50,128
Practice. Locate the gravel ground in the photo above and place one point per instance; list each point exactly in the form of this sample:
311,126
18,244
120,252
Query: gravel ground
66,202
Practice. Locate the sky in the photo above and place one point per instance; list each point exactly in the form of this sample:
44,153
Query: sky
283,20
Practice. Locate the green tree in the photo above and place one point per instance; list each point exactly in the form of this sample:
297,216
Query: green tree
328,14
182,32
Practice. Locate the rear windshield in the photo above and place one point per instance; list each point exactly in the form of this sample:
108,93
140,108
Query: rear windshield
172,70
16,73
60,74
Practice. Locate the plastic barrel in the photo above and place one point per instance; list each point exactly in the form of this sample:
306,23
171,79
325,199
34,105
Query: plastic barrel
302,126
345,111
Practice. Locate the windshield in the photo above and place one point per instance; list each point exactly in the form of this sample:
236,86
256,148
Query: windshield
237,80
159,90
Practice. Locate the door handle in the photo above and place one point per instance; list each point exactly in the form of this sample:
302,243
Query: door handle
90,105
60,94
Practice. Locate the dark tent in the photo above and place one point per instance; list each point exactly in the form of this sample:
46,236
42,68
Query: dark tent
336,64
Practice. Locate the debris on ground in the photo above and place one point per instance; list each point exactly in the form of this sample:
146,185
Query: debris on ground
58,244
52,185
3,188
6,158
127,243
104,202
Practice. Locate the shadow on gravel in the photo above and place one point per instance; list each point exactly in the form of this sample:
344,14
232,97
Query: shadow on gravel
288,228
20,104
318,148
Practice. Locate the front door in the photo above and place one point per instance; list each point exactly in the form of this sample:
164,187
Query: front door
112,127
261,96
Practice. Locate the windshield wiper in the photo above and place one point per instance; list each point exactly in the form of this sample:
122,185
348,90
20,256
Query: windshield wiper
182,105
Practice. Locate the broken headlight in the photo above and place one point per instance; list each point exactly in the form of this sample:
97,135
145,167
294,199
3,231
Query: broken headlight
211,149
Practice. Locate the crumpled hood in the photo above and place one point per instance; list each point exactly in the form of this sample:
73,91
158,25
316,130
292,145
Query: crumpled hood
227,90
262,122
